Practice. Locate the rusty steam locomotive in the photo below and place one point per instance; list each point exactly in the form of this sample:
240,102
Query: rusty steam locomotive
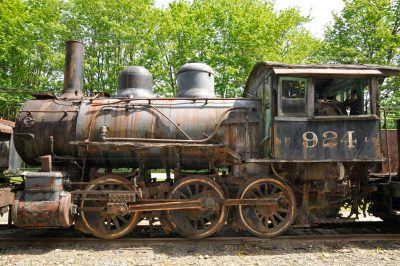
303,142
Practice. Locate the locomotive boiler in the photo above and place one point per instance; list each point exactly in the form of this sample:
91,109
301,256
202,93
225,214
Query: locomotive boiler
303,142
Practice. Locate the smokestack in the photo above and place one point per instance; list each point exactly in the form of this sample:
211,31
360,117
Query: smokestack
73,70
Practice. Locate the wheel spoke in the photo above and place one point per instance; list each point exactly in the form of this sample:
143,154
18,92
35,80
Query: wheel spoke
108,224
274,191
280,218
116,222
272,219
259,191
280,210
263,221
183,195
189,190
254,194
123,219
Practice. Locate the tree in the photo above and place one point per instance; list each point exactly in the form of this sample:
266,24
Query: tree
230,36
30,55
367,31
116,34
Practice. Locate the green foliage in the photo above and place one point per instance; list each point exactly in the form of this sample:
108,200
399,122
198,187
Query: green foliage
367,31
116,33
228,35
31,56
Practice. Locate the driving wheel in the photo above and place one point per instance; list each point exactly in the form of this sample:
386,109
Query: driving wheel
100,223
198,223
267,220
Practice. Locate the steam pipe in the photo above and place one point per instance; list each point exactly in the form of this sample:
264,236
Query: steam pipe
73,70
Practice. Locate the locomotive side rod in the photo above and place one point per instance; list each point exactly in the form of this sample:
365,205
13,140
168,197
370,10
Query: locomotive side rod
172,204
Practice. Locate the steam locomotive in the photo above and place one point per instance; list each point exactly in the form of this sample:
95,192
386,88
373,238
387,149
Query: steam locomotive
302,143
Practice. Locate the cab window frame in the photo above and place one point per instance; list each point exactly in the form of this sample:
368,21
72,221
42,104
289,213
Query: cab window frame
307,83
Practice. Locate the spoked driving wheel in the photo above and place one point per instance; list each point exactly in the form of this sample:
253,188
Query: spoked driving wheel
100,223
267,220
198,223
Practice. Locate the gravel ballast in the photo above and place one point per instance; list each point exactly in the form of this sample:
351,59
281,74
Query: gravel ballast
258,253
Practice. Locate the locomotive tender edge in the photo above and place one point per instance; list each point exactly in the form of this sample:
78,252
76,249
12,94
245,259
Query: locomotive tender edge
303,142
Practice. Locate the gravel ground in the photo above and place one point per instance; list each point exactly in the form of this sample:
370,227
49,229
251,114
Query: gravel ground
272,252
266,253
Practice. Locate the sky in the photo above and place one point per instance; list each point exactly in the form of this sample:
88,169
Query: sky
319,10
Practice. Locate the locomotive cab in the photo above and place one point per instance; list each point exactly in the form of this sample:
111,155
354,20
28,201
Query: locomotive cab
323,135
319,113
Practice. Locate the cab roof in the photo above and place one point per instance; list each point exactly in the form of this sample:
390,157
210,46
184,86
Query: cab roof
318,70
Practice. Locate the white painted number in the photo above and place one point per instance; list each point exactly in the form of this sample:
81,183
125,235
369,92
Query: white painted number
348,139
329,139
310,139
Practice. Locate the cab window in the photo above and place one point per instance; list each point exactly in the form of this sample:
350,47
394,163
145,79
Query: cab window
293,93
342,97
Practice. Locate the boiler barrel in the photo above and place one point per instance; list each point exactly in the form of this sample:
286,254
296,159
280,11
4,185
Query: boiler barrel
115,133
131,131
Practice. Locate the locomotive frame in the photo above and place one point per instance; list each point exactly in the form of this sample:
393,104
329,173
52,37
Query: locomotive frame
302,142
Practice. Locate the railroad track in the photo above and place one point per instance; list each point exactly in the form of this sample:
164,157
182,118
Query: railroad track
366,231
33,241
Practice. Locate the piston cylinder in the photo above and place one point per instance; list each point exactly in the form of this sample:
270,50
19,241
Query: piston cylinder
43,203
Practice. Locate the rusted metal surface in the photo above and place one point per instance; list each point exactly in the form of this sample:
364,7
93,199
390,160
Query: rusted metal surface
245,137
43,181
34,210
171,204
336,139
214,121
97,221
195,80
73,70
42,203
393,148
322,70
45,133
4,150
200,223
45,162
267,220
175,121
334,72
